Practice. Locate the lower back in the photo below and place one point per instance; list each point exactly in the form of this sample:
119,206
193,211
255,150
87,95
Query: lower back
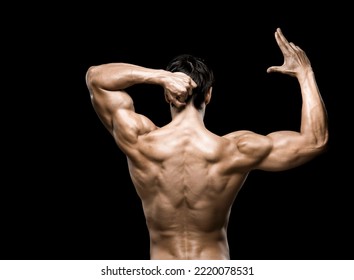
189,245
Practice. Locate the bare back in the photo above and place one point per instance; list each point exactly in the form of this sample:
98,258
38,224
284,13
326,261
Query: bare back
186,176
187,179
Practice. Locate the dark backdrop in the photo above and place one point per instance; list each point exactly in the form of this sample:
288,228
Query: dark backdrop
66,190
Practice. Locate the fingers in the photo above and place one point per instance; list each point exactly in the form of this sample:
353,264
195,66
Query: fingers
193,83
179,104
178,88
175,101
186,81
281,41
284,45
178,100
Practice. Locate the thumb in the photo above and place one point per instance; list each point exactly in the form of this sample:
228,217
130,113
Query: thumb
273,69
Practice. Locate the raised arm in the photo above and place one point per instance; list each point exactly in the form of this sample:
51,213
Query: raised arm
283,150
107,84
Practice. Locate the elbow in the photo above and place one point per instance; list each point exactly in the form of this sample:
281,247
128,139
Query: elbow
91,76
321,144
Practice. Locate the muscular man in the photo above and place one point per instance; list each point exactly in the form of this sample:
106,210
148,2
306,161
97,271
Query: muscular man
186,176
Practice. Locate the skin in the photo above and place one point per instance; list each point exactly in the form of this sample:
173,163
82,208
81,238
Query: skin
186,176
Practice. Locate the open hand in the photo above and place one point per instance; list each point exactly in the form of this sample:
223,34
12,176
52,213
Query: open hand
295,59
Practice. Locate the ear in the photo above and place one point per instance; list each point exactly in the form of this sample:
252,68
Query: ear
208,95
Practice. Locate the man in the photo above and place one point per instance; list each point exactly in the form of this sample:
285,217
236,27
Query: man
186,176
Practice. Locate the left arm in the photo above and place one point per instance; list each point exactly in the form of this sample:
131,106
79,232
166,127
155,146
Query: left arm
107,84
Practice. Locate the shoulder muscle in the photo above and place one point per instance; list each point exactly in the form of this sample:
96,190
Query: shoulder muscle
251,144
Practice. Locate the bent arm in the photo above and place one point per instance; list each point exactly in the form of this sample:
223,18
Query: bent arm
113,105
107,84
289,148
283,150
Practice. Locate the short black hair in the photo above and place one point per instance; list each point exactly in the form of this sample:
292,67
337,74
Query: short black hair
198,69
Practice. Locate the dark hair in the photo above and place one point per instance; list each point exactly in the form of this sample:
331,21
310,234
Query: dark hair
198,70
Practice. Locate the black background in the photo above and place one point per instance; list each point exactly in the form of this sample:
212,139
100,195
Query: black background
66,191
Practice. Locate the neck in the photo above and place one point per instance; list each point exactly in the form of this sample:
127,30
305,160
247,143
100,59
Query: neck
188,112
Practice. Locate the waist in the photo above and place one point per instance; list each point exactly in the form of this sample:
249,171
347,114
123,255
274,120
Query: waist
189,245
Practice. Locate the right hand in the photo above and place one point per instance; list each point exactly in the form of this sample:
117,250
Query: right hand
178,86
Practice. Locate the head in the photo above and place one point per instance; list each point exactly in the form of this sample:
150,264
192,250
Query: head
201,74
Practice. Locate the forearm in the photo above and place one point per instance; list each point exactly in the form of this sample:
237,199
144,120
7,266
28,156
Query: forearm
313,115
119,76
